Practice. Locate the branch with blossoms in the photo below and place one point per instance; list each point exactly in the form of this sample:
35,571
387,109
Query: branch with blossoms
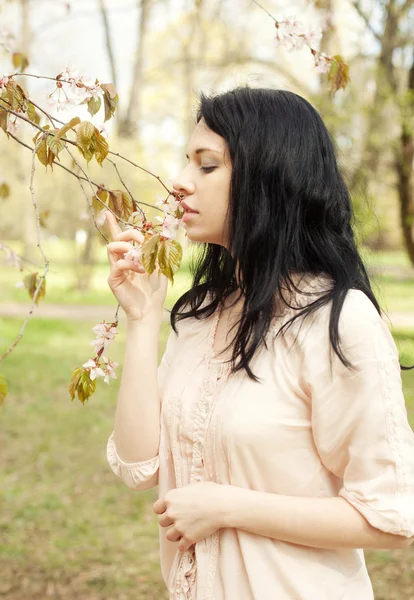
291,34
53,140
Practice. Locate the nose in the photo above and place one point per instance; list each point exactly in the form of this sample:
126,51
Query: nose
183,184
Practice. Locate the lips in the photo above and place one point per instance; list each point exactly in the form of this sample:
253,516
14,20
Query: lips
187,208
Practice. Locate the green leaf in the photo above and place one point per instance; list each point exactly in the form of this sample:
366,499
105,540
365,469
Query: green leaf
101,147
3,388
96,205
3,121
17,96
338,75
81,385
55,144
20,61
110,99
121,204
42,153
170,255
33,114
65,128
149,252
31,283
94,104
4,190
84,139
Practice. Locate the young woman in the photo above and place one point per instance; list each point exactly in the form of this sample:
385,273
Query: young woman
275,426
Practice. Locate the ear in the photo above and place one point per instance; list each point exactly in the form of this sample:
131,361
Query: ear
113,225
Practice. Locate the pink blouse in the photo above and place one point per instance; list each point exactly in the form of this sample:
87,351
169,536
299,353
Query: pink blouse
299,432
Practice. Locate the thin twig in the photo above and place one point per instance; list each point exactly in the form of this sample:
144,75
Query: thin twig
86,195
97,185
125,186
46,261
64,139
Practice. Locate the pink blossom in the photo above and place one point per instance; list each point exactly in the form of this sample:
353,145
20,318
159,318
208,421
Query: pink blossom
4,80
109,369
105,333
323,64
135,255
94,369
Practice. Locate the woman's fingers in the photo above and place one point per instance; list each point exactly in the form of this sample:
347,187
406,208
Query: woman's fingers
120,266
117,250
165,521
129,235
173,535
114,228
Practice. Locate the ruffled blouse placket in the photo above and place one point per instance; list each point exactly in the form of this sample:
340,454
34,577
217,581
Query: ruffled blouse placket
216,376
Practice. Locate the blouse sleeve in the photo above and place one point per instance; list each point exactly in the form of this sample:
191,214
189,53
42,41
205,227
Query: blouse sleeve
138,475
359,419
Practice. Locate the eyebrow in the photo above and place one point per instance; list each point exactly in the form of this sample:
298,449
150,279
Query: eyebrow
200,150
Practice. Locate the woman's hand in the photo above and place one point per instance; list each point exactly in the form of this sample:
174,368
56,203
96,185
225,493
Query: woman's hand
138,293
193,512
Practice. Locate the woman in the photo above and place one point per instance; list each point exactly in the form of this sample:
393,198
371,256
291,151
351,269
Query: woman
283,446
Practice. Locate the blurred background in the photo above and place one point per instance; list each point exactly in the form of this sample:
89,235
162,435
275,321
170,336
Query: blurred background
68,528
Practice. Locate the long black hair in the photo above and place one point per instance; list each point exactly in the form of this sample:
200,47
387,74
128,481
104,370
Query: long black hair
289,212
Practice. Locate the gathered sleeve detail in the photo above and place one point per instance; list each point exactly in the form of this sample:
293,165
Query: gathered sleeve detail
134,475
138,475
359,419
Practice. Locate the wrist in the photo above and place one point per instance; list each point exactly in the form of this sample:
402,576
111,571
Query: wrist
231,505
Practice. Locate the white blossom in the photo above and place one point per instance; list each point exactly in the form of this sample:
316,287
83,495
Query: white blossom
94,369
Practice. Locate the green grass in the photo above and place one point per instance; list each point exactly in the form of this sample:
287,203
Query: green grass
392,279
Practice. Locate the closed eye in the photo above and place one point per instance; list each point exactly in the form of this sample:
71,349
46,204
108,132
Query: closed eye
207,169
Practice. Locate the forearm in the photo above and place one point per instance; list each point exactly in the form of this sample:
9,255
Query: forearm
307,521
137,417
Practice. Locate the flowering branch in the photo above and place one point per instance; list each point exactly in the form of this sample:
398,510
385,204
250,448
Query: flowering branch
290,34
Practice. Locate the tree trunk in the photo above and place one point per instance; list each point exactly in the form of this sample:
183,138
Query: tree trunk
128,126
405,170
108,41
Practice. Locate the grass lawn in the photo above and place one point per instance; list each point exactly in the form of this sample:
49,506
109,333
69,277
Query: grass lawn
392,279
69,529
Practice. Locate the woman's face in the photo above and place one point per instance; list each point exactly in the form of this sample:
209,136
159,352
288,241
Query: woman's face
205,185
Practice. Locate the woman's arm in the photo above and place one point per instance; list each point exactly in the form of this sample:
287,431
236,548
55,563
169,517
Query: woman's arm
316,522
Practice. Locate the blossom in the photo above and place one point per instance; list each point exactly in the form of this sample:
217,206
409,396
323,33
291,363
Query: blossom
323,64
12,258
105,333
94,369
170,226
109,369
4,80
135,255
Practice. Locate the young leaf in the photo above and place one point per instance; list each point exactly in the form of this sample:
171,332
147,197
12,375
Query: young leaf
42,153
121,204
17,96
65,128
84,139
3,121
110,99
55,144
338,75
94,104
4,190
81,385
20,61
170,254
33,114
3,388
101,146
96,205
149,252
31,282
